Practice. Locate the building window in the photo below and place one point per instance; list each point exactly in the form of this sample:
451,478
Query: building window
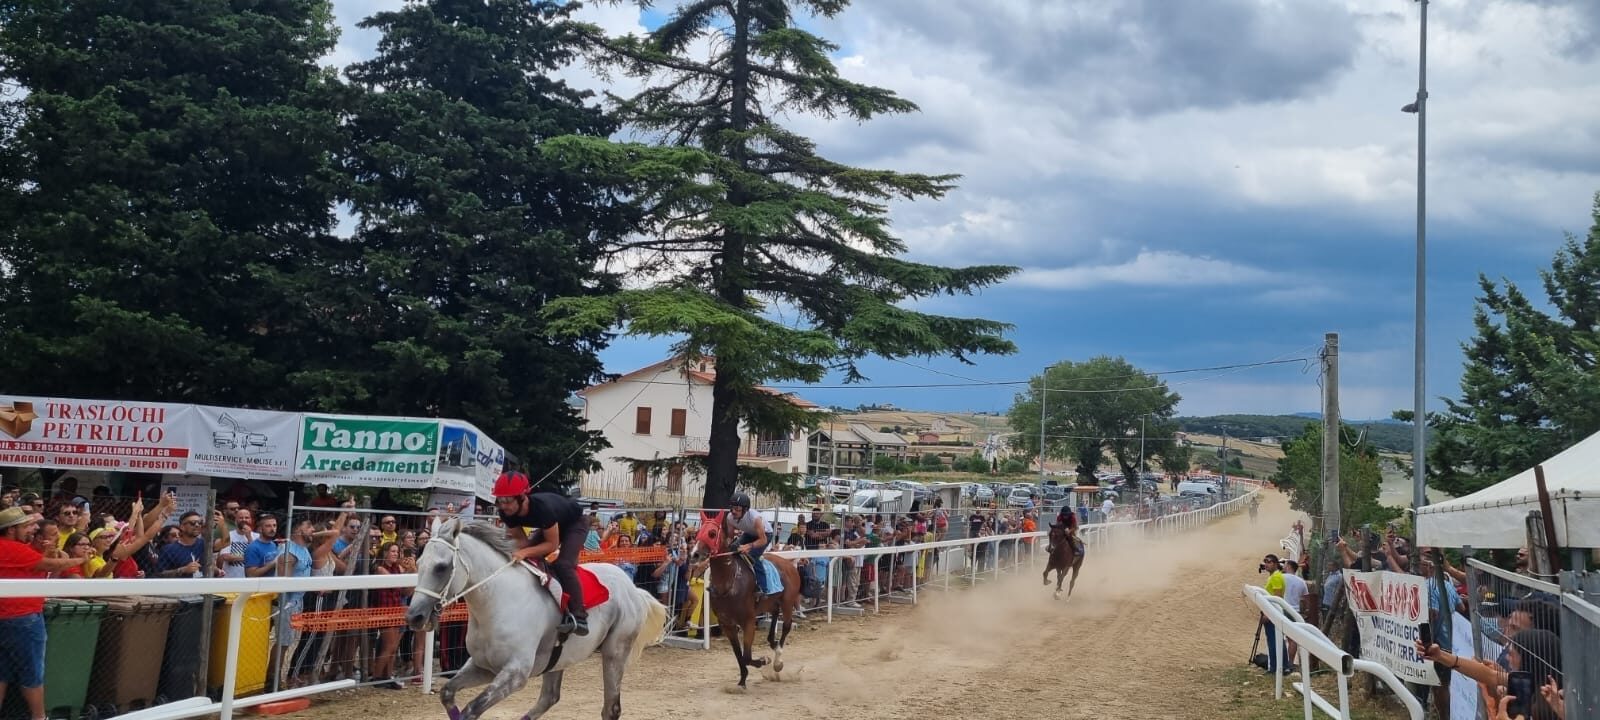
680,419
675,478
641,478
641,421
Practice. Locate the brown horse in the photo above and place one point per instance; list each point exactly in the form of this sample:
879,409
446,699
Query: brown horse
1064,556
733,592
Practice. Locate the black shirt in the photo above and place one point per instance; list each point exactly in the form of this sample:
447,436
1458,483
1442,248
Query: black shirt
816,533
544,510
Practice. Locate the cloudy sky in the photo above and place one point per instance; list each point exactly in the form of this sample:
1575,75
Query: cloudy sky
1193,184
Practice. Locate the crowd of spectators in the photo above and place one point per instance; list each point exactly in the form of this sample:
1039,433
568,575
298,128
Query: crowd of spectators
1524,676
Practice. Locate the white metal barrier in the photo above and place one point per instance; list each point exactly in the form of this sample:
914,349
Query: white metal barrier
997,549
1312,643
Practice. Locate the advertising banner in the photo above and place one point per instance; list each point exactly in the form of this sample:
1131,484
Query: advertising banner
374,451
451,503
1464,696
193,494
72,434
491,462
458,457
1389,609
250,444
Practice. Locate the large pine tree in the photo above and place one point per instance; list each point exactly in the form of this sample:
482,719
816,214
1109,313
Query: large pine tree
1530,385
466,230
760,252
165,186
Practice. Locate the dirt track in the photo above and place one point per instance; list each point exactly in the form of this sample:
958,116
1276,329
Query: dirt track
1120,648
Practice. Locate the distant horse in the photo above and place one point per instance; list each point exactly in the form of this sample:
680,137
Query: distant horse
513,615
733,592
1064,556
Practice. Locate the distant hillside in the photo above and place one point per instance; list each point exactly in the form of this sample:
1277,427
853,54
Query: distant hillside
1384,434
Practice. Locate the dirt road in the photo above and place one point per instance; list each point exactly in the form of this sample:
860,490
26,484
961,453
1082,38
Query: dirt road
1146,635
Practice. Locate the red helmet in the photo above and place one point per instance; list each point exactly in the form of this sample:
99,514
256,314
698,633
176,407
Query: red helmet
511,484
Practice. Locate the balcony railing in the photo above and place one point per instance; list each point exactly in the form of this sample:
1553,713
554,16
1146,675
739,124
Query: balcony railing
694,445
772,448
764,448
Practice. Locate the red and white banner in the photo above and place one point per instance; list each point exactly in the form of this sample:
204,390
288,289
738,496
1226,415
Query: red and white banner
93,434
1390,608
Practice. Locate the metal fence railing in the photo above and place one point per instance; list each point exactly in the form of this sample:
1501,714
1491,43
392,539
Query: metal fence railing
1580,639
270,633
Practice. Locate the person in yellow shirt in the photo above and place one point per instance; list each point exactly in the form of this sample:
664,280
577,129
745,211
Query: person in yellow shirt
1275,586
628,524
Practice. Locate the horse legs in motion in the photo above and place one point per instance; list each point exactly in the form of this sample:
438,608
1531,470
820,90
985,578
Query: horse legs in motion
1064,556
733,600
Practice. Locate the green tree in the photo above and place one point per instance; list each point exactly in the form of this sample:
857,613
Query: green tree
166,197
887,465
1091,407
932,462
1014,466
467,229
1530,385
1300,474
1175,457
756,250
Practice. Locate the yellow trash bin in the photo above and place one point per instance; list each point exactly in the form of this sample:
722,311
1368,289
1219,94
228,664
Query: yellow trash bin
255,644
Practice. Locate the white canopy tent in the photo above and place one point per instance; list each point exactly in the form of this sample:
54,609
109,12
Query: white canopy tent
1495,517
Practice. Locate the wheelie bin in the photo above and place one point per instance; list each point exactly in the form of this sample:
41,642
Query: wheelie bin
180,664
133,642
255,645
73,629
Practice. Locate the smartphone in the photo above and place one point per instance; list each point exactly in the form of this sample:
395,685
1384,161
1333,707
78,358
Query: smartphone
1519,685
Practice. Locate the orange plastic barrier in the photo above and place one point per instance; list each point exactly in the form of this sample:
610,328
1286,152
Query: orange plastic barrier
635,555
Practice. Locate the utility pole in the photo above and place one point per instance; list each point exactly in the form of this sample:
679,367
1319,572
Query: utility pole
1141,447
1044,393
1330,433
1224,464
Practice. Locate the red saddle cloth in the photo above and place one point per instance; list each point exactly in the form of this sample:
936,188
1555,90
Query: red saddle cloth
595,593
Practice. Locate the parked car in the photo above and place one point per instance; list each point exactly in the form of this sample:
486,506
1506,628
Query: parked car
1020,496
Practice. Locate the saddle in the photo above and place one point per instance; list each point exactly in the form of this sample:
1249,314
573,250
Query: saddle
768,581
595,593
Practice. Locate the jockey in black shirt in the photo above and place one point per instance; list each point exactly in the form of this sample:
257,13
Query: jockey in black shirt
559,521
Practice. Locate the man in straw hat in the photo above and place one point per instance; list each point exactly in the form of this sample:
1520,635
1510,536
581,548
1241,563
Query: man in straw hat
22,618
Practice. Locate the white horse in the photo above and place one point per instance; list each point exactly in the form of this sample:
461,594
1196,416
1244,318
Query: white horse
511,630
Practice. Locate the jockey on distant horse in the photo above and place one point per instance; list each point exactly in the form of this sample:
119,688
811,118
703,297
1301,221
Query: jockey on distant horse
559,520
1069,519
752,534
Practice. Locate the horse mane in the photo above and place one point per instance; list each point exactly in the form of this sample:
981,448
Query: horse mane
489,534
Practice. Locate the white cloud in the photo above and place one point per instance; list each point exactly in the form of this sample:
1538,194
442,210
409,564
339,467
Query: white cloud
1150,268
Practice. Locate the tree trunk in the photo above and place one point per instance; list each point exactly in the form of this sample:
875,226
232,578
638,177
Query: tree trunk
722,452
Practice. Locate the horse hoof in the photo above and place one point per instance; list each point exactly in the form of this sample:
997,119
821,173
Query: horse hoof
1058,596
777,667
734,690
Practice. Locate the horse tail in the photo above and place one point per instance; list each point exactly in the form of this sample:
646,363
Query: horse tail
654,628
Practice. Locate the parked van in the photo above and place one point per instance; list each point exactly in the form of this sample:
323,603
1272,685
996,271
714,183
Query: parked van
1192,487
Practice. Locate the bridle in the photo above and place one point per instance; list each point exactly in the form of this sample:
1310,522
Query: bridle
456,558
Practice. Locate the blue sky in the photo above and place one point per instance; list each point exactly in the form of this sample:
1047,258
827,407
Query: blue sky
1199,184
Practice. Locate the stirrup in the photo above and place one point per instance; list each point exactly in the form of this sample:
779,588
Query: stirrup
570,625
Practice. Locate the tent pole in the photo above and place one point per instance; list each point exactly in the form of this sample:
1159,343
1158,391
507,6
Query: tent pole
1552,545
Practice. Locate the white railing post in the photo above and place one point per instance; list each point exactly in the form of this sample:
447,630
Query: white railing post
427,662
230,673
827,590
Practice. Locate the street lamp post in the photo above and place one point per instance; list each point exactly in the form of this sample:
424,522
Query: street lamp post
1419,424
1141,446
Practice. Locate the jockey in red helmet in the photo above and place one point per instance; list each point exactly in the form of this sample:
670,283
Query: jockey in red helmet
559,521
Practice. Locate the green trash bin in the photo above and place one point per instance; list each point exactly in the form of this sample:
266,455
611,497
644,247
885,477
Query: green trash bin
72,630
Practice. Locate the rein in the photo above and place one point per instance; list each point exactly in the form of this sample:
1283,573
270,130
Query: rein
456,558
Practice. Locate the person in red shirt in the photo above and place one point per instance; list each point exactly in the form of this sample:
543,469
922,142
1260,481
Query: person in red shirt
22,618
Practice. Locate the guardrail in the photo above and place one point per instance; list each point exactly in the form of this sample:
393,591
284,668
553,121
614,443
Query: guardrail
1312,643
978,559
